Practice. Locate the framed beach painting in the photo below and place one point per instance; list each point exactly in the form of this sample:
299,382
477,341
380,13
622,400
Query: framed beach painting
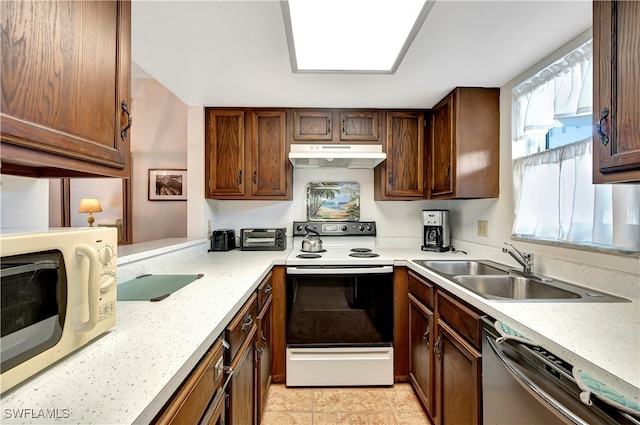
333,201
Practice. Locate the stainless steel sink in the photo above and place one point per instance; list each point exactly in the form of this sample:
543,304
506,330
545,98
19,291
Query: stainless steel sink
461,267
512,288
497,282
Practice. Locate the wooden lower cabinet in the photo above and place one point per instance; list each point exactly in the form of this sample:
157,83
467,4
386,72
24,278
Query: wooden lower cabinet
242,384
421,332
189,405
458,372
263,360
445,367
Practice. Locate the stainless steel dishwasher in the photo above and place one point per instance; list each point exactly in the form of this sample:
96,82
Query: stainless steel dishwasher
527,385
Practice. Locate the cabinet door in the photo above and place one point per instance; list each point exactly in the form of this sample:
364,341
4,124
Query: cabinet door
360,126
421,331
224,146
441,148
312,126
458,379
242,384
404,176
269,148
263,368
616,91
65,76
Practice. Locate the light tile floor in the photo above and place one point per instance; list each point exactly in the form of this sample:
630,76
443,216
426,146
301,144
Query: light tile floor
397,405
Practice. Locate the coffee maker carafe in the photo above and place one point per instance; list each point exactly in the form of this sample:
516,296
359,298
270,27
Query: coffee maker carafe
436,236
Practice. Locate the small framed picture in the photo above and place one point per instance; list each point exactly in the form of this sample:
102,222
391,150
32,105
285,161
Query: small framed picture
167,184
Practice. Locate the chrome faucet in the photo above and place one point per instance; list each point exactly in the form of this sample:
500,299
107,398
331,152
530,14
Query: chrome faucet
525,259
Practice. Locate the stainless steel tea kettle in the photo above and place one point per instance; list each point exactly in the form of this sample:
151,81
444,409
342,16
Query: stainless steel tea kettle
311,241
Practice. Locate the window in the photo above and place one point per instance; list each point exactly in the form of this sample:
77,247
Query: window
552,163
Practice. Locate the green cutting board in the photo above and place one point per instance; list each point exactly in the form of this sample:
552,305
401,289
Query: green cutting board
151,287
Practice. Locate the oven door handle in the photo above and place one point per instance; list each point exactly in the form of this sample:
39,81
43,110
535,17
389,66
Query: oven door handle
531,387
328,270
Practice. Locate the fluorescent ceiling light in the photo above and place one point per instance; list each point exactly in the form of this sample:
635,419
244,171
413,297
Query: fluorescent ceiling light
352,35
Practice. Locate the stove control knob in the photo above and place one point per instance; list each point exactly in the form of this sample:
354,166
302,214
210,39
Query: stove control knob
361,227
344,228
299,228
369,227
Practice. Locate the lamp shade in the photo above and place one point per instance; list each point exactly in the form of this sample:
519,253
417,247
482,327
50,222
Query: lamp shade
89,205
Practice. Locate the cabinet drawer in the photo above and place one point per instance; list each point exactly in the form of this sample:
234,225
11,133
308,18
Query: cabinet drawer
191,400
421,289
264,291
241,326
462,318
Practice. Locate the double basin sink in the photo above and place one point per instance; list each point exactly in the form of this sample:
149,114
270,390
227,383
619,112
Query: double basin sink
497,282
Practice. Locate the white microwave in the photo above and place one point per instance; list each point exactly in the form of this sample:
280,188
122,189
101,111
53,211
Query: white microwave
58,291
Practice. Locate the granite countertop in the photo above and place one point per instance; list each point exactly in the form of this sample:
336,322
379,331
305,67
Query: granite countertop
128,373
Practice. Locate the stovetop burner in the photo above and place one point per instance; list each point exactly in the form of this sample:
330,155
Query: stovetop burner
363,254
308,256
360,250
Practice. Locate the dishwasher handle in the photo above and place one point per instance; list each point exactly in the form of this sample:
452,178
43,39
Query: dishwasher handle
528,384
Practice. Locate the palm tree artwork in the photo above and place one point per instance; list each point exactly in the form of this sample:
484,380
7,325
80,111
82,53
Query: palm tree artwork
328,201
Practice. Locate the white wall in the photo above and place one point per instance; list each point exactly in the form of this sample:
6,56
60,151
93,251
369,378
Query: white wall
24,203
158,140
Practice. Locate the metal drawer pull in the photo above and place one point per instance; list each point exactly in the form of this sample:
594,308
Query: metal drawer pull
436,348
123,132
603,116
248,323
267,289
425,337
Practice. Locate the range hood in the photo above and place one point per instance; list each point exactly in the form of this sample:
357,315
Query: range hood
336,156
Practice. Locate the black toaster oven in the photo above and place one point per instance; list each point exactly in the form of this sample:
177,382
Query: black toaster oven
273,239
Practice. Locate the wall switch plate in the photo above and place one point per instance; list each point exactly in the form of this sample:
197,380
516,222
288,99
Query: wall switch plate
483,228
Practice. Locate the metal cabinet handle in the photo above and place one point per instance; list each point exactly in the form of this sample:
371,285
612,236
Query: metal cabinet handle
248,323
123,132
329,126
344,123
255,177
447,172
425,337
263,338
267,289
390,178
603,116
240,177
437,348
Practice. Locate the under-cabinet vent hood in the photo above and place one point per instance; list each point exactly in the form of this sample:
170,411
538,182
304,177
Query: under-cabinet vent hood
336,156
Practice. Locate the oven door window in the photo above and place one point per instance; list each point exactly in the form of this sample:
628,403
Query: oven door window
34,303
328,310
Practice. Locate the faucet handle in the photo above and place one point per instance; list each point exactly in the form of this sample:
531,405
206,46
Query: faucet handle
524,255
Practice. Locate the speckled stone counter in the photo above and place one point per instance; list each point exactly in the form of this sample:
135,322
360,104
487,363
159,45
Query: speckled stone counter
126,375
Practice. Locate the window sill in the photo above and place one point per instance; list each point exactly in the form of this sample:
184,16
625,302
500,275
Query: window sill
601,249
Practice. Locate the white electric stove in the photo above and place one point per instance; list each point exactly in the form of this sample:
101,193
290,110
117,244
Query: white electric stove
339,308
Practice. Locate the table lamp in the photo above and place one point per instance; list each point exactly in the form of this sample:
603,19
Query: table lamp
90,205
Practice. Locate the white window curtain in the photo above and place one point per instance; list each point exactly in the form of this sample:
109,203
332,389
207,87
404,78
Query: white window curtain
564,89
556,200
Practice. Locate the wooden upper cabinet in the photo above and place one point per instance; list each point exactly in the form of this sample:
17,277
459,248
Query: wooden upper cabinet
224,152
616,91
271,171
66,78
312,125
336,126
360,126
401,176
464,145
246,153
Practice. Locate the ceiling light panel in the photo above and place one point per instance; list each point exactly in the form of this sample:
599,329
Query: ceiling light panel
352,35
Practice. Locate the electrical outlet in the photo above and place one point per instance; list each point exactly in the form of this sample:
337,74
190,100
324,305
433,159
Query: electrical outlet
483,228
209,228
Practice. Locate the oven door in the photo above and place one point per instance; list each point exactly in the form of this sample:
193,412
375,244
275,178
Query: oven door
340,327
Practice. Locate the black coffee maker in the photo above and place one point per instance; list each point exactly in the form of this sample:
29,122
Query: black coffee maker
435,227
